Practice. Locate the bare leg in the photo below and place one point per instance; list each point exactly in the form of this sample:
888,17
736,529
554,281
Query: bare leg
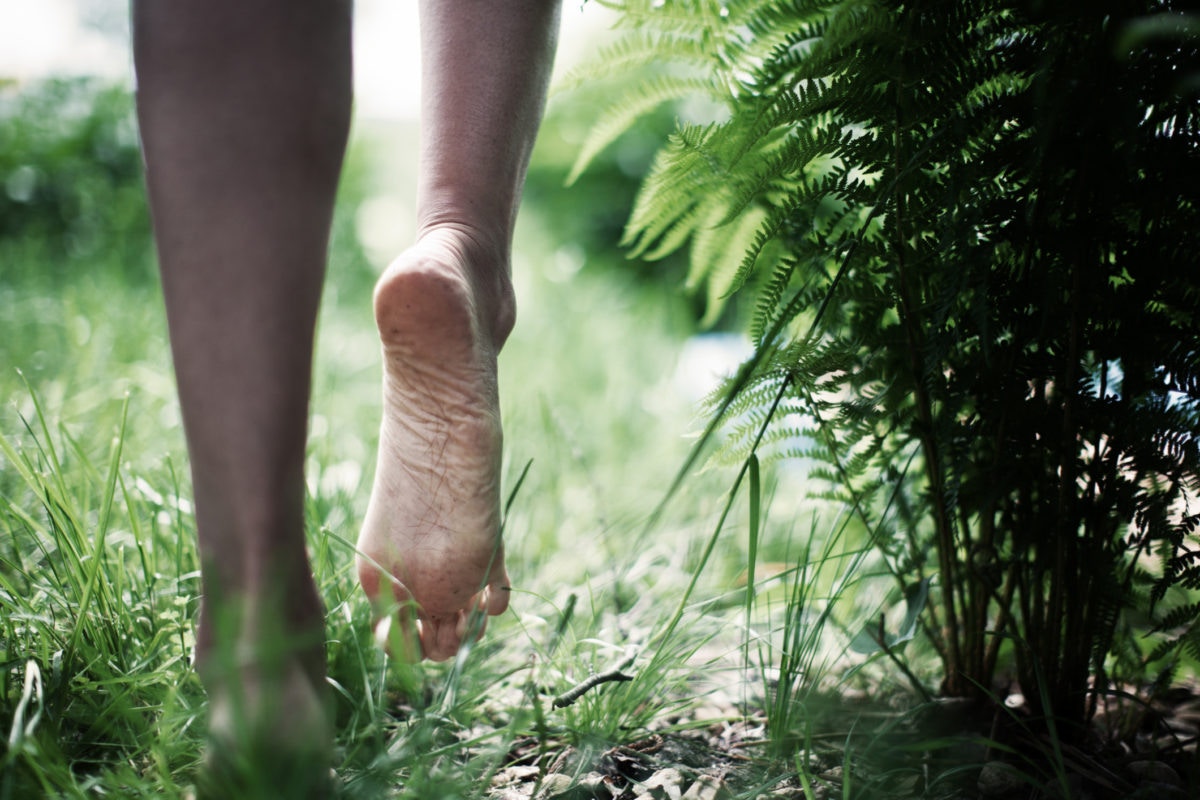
244,108
444,310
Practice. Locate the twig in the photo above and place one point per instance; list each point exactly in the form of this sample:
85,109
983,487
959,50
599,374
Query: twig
615,674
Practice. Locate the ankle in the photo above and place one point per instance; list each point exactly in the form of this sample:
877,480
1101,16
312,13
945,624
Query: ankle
486,258
266,628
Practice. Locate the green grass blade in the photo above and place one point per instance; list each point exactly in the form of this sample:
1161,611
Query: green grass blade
101,537
755,517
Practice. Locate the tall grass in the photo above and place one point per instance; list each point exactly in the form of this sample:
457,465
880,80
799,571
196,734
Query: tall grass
98,573
98,595
98,581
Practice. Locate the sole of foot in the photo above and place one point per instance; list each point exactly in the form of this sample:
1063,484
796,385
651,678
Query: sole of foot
430,549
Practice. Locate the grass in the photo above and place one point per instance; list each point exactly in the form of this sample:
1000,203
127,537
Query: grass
99,584
747,618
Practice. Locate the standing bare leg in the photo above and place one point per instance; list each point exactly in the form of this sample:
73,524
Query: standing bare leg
444,310
244,108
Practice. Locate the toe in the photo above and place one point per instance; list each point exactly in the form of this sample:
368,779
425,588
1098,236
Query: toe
439,638
473,623
394,616
400,638
497,595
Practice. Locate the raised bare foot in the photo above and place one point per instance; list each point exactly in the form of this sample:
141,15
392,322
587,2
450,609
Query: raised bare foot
443,309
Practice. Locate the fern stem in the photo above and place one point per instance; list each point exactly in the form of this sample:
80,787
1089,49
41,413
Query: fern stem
1004,621
925,421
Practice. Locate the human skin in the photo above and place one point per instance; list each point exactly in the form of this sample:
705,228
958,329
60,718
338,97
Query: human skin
244,110
433,521
244,107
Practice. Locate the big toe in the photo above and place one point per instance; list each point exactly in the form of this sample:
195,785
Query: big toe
497,594
441,637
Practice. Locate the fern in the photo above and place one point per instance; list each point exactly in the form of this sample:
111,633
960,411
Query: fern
967,231
651,94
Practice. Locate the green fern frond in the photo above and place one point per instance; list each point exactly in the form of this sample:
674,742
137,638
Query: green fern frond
683,178
770,296
801,157
636,52
641,100
1179,616
678,15
717,247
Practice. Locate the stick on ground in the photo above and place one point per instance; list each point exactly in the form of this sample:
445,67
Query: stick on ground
615,674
